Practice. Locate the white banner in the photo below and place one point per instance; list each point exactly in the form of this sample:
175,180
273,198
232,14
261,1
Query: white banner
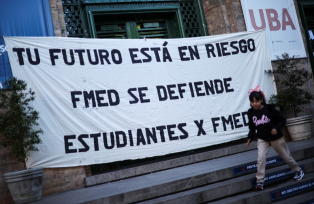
280,21
110,100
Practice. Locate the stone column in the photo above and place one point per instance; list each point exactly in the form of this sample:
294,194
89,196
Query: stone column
58,18
57,180
238,15
223,16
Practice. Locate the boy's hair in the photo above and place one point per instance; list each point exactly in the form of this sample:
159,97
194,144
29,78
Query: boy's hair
258,96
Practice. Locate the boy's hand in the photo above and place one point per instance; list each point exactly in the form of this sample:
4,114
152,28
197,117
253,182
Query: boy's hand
248,142
274,131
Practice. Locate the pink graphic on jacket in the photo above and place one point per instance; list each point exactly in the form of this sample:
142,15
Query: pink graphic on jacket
263,120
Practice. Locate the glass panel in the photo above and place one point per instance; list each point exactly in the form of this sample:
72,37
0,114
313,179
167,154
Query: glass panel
154,25
153,30
117,31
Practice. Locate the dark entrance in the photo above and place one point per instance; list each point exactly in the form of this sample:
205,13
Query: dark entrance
306,8
156,25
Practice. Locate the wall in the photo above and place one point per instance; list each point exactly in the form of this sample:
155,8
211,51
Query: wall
7,164
58,18
226,16
304,63
308,109
223,16
55,180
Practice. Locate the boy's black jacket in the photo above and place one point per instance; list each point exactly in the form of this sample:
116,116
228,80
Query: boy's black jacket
277,121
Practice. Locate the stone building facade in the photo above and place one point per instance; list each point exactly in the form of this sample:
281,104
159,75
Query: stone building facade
220,17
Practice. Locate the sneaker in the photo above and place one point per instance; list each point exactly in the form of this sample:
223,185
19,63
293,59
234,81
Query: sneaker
259,186
298,175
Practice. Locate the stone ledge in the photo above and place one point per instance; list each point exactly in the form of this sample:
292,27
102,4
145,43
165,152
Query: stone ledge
298,199
225,188
163,165
264,195
173,180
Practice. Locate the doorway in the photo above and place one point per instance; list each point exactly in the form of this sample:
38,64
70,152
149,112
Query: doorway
138,25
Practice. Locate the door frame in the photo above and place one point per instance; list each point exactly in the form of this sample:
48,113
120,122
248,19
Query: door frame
91,11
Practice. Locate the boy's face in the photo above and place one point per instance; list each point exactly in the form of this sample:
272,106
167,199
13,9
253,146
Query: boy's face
257,104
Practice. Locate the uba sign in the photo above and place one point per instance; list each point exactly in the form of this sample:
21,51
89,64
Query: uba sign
272,19
280,22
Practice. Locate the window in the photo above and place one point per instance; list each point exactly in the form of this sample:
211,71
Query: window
157,25
111,19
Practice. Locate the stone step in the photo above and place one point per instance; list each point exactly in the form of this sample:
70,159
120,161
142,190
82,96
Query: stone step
166,164
304,198
174,180
229,187
286,190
